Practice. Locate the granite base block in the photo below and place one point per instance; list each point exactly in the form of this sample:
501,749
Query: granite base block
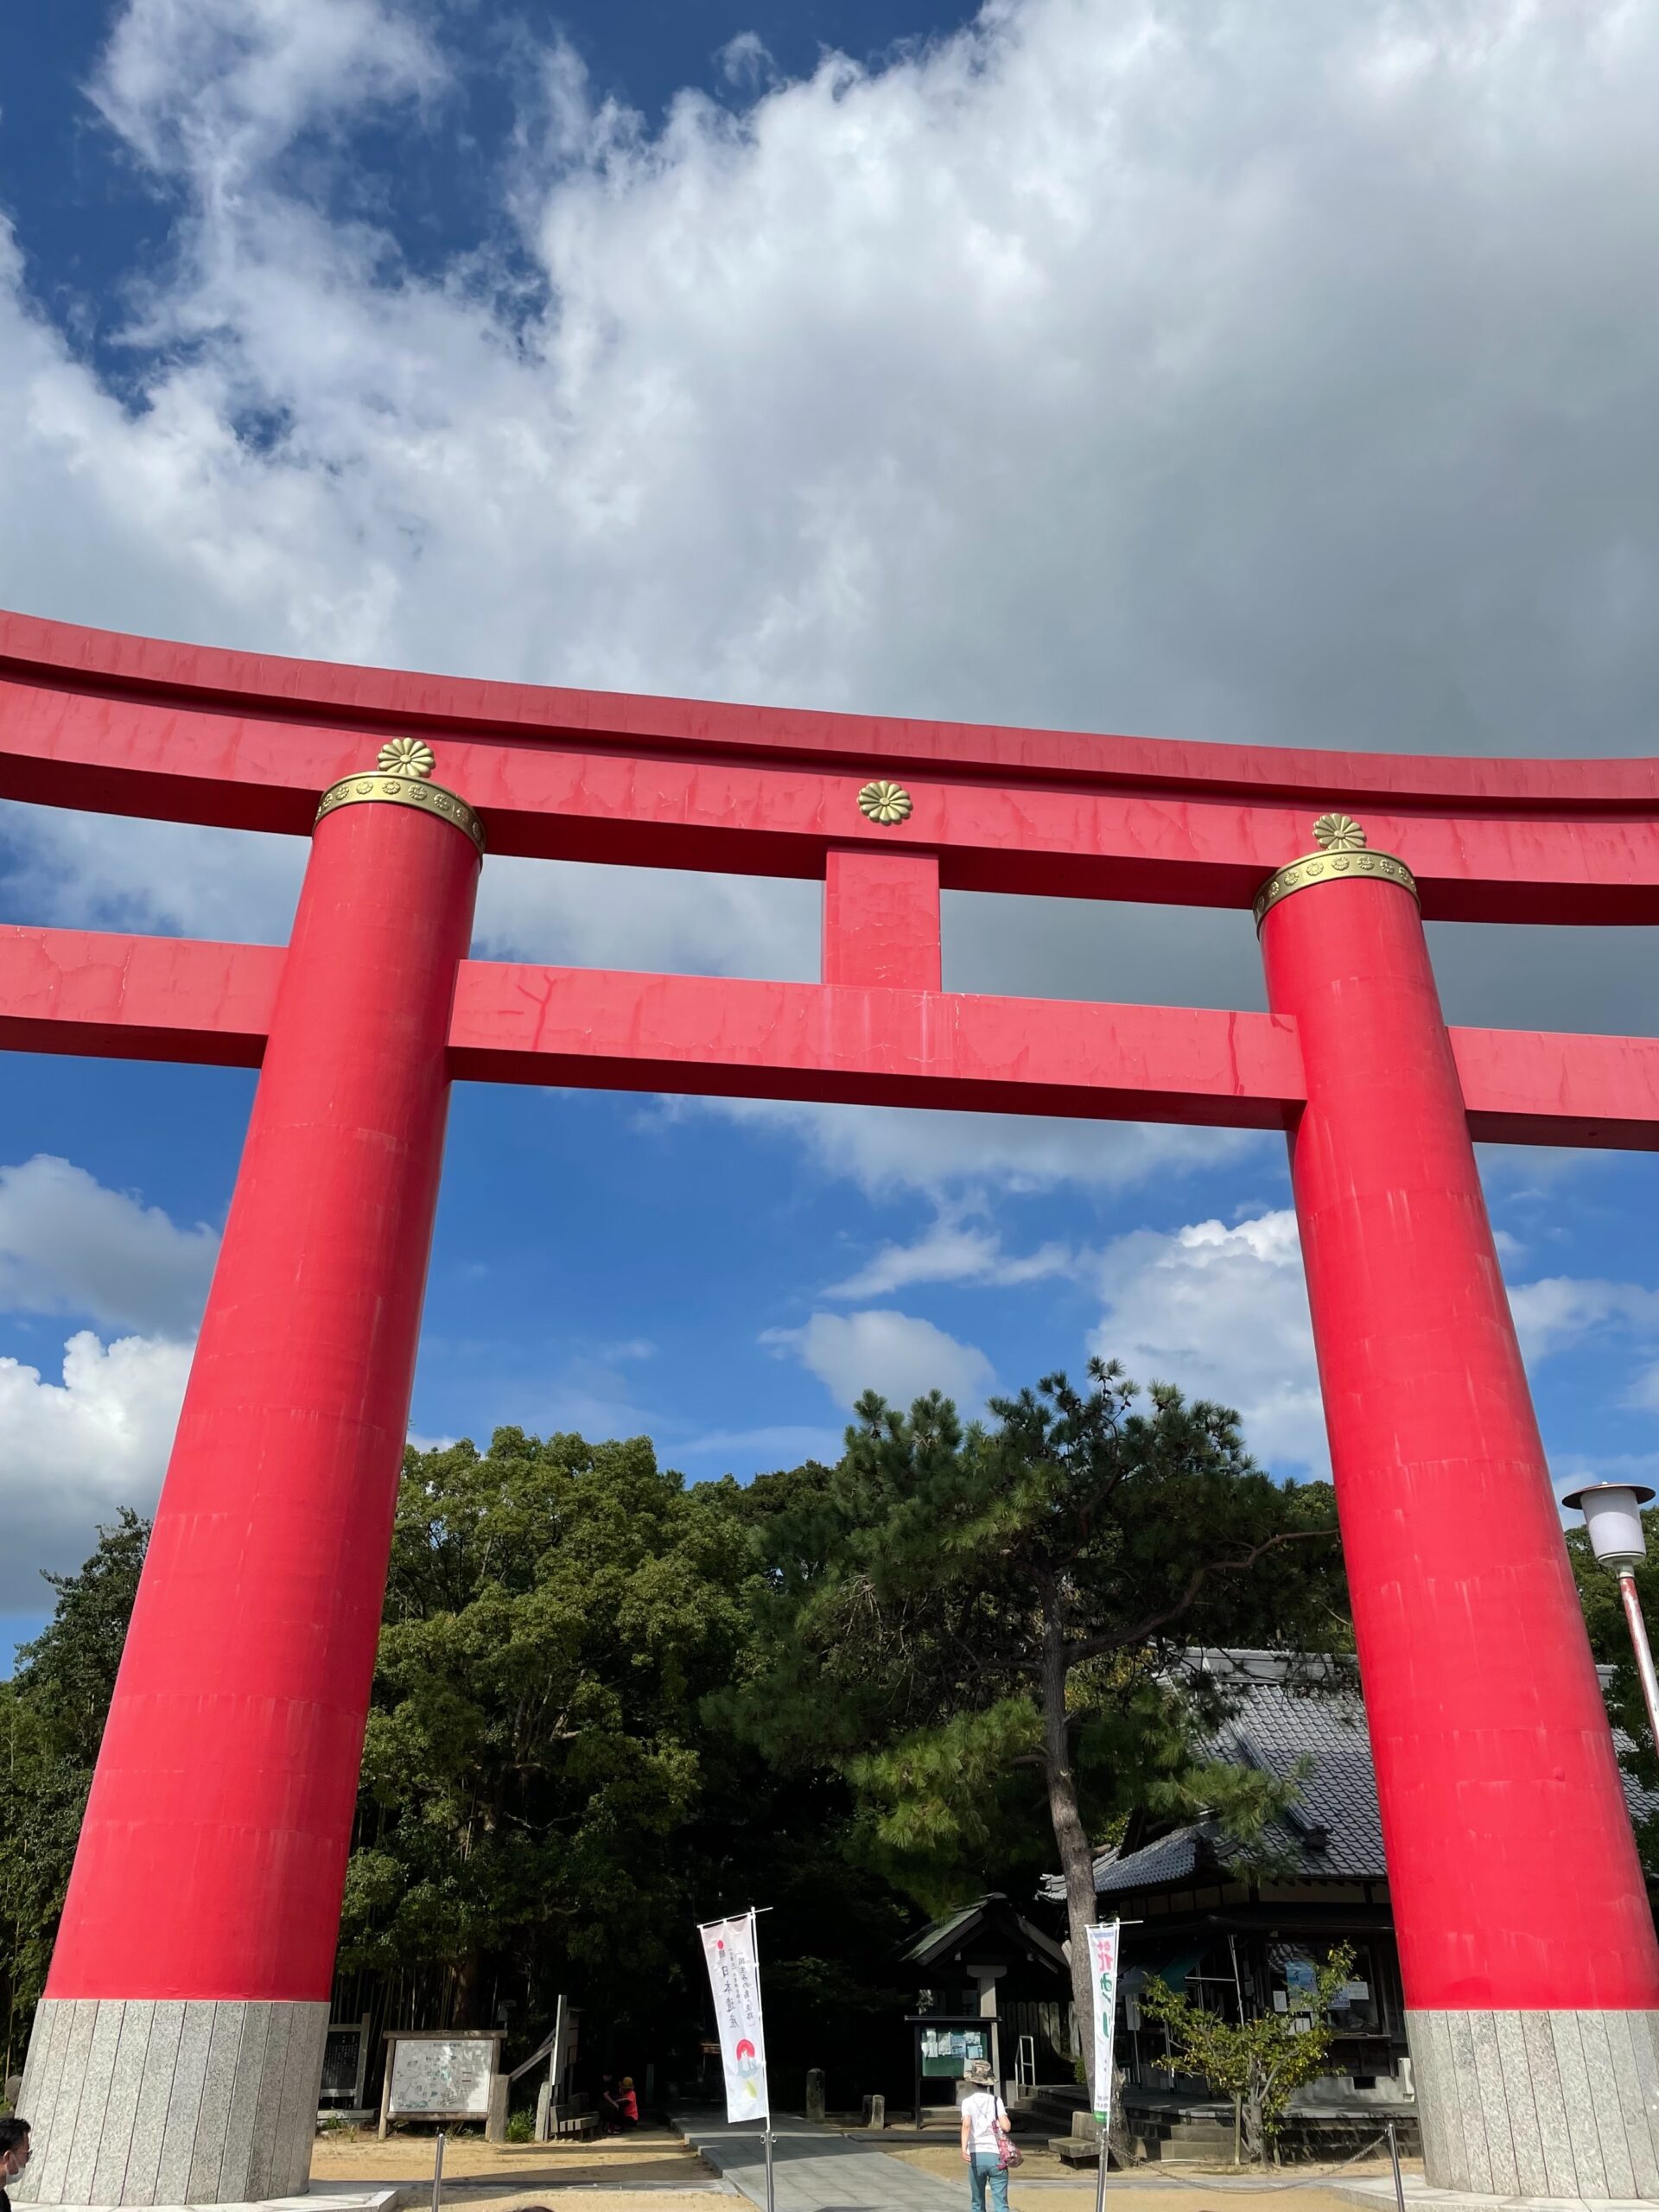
1545,2106
1375,2196
387,2199
170,2101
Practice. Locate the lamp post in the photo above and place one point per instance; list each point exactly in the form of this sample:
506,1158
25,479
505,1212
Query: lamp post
1612,1514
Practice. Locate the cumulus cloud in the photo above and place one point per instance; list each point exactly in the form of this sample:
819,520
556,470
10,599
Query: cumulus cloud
1181,367
898,1354
1561,1313
649,919
178,877
218,89
1557,1312
887,1149
950,1251
67,1245
78,1448
97,1437
1221,1311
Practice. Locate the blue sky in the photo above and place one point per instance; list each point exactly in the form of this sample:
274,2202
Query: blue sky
1216,372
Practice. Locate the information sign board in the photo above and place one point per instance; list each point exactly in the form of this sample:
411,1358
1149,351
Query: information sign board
442,2081
440,2076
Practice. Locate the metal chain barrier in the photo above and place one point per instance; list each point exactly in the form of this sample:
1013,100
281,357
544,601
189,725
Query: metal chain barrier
1133,2170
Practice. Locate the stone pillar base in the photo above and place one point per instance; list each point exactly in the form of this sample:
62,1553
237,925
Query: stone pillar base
1538,2104
168,2101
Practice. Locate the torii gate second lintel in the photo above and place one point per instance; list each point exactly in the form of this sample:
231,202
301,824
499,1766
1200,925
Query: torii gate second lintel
175,2055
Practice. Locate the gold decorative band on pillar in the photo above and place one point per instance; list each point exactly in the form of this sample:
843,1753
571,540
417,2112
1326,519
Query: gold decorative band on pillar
400,779
403,791
1342,853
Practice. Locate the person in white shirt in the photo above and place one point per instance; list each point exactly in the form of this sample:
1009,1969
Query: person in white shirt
984,2123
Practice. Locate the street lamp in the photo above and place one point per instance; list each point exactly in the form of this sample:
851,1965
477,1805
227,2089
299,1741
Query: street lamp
1612,1514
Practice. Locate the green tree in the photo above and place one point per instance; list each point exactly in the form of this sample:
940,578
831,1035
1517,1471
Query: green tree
556,1612
1258,2064
51,1715
1609,1640
982,1628
785,1834
545,1805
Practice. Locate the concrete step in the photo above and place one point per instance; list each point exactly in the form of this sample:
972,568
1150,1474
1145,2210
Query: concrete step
1052,2104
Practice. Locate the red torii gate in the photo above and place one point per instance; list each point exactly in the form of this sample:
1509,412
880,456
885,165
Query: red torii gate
177,2054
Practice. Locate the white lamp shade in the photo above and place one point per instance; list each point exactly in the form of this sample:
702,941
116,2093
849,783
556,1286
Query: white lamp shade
1612,1514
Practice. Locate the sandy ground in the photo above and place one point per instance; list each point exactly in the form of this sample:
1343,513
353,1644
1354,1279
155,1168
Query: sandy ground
1123,2194
654,2171
637,2173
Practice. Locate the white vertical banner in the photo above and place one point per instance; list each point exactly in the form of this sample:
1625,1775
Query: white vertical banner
1103,1991
734,1977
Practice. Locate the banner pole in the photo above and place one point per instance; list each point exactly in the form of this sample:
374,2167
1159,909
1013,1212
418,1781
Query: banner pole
754,1941
1102,1943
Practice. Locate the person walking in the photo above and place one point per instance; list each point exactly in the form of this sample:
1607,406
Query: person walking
984,2124
13,2155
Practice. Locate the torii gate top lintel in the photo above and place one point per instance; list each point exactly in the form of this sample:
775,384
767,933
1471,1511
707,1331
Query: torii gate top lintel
248,741
99,721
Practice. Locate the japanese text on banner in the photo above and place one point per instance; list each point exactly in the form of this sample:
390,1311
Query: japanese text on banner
734,1978
1102,1986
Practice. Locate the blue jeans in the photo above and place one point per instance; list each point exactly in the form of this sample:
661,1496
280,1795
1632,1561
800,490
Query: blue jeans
985,2166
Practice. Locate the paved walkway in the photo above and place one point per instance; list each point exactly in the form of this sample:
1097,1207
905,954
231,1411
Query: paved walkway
816,2169
1421,2197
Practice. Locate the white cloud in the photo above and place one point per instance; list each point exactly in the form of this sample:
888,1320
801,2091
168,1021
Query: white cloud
746,62
240,888
627,1348
898,1354
1222,1312
1214,371
1557,1312
949,1252
67,1245
746,1451
1265,317
216,89
884,1148
97,1438
77,1449
652,919
167,878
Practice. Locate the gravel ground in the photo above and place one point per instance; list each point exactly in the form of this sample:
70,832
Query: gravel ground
649,2170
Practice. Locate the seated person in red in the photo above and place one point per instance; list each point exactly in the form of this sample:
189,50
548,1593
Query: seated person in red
621,2105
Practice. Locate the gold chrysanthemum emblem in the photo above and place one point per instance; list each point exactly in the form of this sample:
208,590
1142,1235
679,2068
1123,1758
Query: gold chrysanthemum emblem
1339,833
407,756
885,803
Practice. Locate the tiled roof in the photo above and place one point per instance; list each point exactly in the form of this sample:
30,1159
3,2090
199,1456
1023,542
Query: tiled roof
941,1936
1333,1831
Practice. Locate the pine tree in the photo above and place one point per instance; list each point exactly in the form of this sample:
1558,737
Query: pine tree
985,1628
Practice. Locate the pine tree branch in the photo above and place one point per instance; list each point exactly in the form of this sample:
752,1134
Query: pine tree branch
1096,1647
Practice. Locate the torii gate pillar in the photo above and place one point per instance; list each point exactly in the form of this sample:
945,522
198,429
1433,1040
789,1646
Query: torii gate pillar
175,2055
1527,1947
